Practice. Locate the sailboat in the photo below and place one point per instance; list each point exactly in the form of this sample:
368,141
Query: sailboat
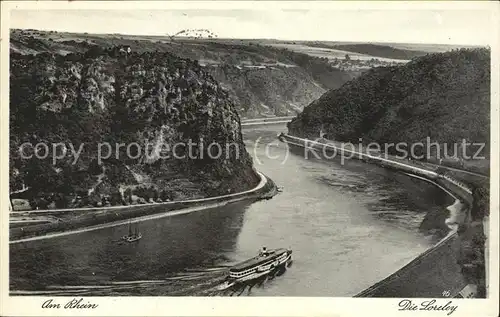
132,236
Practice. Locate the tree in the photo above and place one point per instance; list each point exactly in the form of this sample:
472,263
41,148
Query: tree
128,195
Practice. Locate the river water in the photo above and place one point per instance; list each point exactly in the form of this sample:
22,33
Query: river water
349,226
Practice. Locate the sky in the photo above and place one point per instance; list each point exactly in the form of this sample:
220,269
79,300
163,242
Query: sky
437,26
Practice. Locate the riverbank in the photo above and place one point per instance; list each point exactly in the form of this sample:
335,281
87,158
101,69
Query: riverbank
451,252
87,219
328,215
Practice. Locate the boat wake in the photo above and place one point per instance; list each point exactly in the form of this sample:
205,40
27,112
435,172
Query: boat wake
200,282
190,283
246,287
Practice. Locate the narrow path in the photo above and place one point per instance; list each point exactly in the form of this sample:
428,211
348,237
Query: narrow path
264,121
263,181
208,203
245,124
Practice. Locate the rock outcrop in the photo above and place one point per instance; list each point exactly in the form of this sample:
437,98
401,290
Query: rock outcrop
148,102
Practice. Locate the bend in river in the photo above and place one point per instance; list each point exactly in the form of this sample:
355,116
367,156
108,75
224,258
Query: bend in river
349,227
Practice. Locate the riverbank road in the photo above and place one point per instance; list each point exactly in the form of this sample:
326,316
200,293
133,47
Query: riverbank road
266,121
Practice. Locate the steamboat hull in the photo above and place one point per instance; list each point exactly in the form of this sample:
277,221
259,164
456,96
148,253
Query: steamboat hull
274,263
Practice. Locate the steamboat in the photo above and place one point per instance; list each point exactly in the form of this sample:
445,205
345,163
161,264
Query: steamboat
266,263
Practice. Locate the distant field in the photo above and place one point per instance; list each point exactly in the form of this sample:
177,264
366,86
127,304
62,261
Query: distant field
331,53
428,48
383,51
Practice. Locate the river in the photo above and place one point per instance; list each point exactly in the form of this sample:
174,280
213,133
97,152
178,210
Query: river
349,226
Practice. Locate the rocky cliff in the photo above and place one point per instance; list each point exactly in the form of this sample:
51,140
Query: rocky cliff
149,102
268,91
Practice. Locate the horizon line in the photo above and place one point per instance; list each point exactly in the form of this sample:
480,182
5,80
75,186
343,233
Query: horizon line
256,39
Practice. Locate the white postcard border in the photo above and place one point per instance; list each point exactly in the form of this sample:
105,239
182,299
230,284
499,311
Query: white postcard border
248,306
